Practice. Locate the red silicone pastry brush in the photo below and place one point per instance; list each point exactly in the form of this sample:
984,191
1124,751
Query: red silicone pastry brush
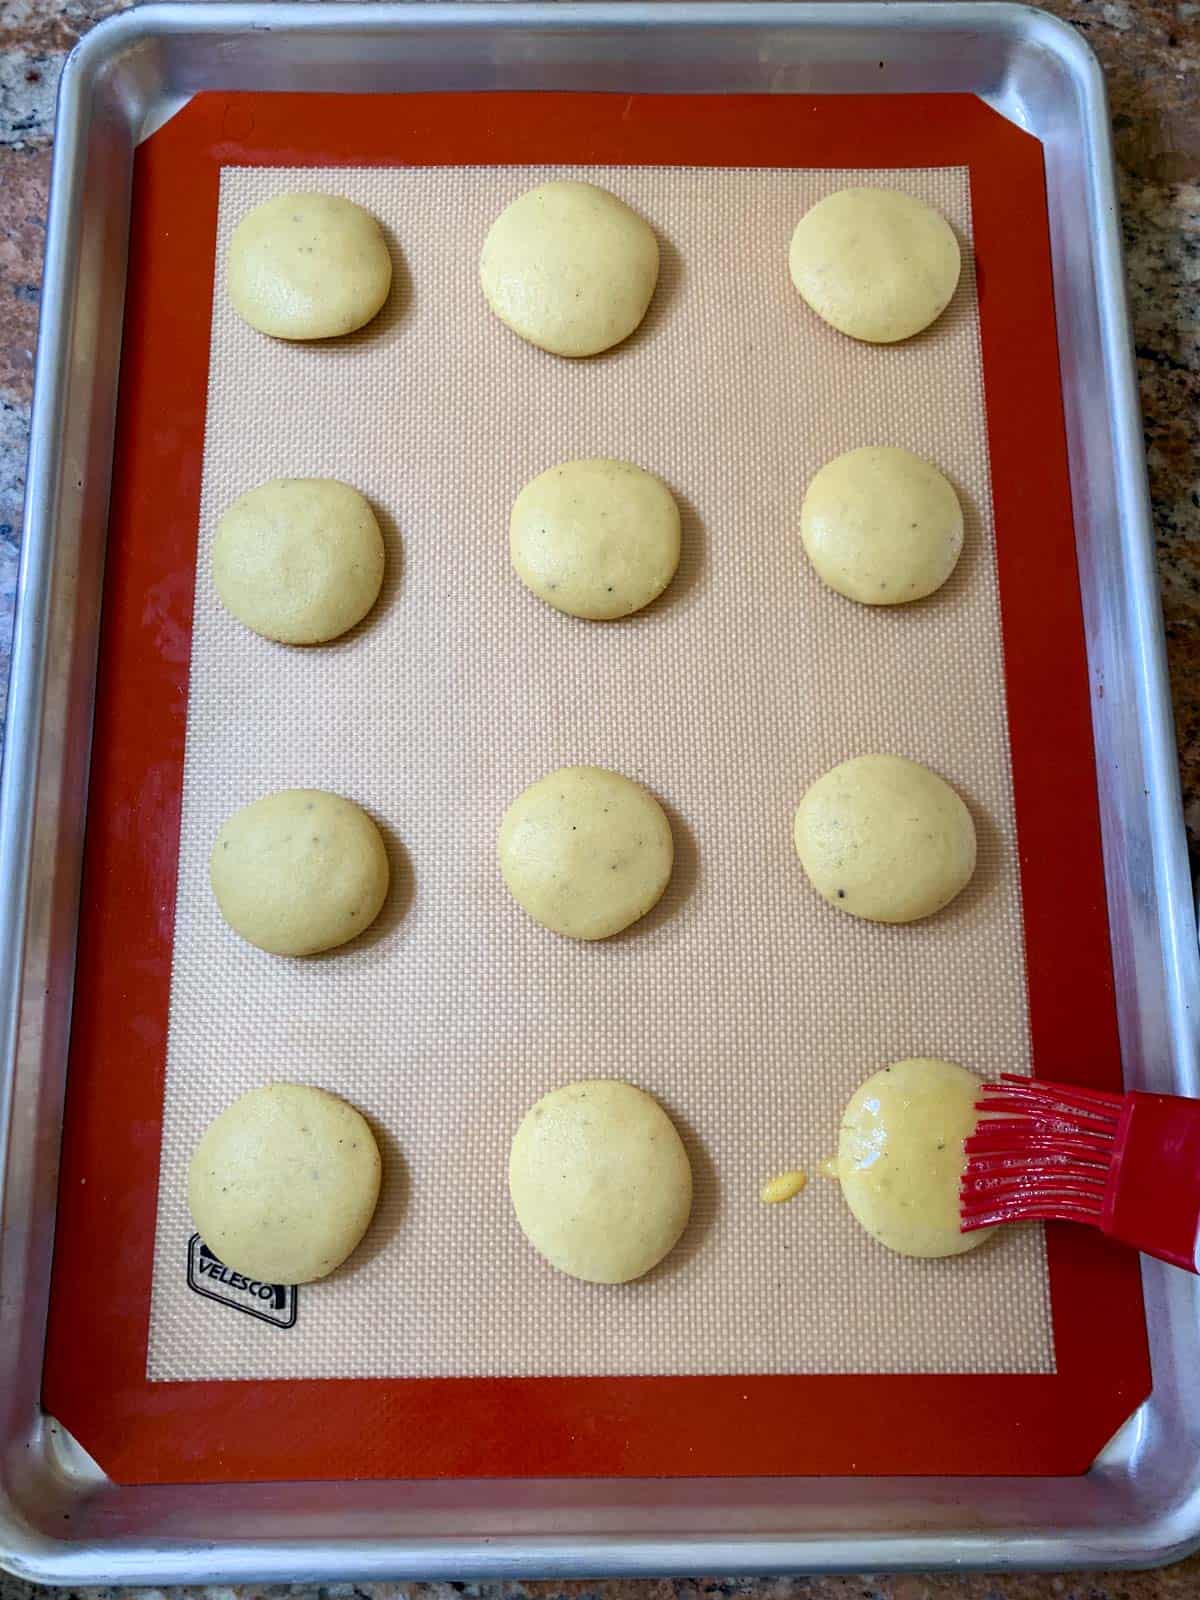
1128,1164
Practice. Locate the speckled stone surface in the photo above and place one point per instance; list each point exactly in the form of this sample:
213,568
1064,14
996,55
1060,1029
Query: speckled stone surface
1181,1582
1151,52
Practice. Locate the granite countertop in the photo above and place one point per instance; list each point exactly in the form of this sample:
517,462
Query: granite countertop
1150,50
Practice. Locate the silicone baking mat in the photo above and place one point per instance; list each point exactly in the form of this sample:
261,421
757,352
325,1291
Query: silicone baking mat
743,1003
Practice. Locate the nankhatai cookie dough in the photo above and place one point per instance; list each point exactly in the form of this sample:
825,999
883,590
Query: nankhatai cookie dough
585,851
299,559
900,1156
595,538
885,839
299,871
877,264
308,266
570,267
881,526
600,1180
284,1183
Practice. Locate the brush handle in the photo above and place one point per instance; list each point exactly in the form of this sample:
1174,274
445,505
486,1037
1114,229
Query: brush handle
1153,1197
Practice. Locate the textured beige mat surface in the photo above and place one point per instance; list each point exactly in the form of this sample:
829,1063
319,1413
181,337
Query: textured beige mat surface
747,1006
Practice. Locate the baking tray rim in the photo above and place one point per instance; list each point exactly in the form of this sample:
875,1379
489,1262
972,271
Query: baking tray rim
116,65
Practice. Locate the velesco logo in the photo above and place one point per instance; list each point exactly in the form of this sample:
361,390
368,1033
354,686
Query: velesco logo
207,1275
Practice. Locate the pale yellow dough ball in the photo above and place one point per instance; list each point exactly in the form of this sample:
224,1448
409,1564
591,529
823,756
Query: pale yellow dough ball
586,852
600,1181
885,839
596,538
299,559
569,267
877,264
299,871
284,1183
881,526
900,1156
308,266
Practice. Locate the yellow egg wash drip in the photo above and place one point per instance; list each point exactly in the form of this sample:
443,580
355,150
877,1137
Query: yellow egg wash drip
785,1187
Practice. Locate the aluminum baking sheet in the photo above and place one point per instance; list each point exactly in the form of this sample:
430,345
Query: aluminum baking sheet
1040,75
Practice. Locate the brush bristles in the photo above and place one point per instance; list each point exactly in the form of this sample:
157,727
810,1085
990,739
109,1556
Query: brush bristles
1040,1153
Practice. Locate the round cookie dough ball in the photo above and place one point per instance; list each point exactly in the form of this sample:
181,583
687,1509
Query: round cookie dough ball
308,266
900,1156
299,871
885,838
596,538
569,267
881,526
586,852
284,1183
875,263
600,1181
299,559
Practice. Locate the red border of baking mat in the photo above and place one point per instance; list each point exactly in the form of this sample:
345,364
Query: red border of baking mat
95,1373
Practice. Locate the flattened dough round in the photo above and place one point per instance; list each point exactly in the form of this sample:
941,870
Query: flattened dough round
299,559
885,838
586,851
600,1181
308,266
299,871
284,1183
900,1156
569,267
881,526
875,263
595,538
